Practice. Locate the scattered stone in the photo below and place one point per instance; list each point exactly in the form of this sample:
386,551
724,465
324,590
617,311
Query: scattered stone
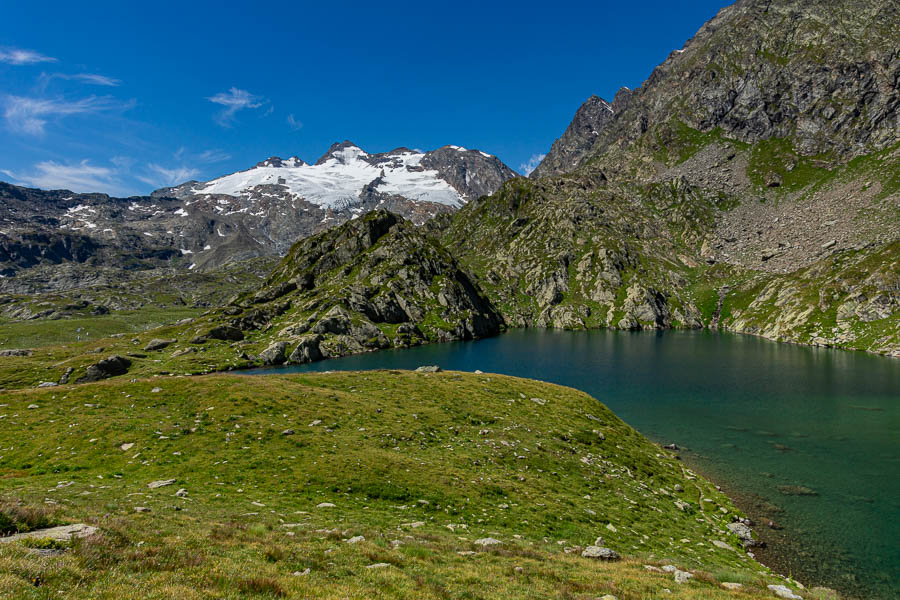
64,379
783,591
156,390
428,369
722,545
161,483
671,447
288,432
682,576
678,487
325,505
181,493
33,406
356,539
379,566
141,509
125,447
488,541
539,401
611,527
600,553
45,384
16,352
608,597
305,571
732,586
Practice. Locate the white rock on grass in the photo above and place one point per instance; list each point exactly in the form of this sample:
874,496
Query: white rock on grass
378,566
732,586
600,553
682,576
782,591
62,534
126,446
488,541
356,539
324,505
161,483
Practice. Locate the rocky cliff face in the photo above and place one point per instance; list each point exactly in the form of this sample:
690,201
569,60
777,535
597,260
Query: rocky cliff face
578,139
757,164
375,282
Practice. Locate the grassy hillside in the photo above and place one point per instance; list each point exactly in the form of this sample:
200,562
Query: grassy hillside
420,465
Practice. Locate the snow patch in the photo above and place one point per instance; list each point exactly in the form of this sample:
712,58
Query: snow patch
338,181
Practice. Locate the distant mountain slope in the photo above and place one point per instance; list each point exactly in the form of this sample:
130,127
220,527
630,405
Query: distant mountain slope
258,212
756,168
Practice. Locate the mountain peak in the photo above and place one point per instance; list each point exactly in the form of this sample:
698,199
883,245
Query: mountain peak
278,162
341,151
590,120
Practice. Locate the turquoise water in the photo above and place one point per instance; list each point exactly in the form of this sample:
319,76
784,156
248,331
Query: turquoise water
753,415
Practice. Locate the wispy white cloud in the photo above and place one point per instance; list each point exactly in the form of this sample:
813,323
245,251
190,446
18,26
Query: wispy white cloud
30,115
527,167
293,123
158,175
234,100
20,56
89,78
77,177
212,156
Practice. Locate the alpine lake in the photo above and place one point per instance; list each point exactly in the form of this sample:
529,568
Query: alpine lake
806,440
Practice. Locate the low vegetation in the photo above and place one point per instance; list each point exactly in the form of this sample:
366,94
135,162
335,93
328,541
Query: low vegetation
375,484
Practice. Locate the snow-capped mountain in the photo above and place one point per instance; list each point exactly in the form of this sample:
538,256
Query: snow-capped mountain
349,178
260,211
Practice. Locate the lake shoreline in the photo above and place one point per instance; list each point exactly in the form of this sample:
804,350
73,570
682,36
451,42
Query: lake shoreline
777,555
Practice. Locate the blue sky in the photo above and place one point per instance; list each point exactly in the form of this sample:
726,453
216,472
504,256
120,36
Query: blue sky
124,98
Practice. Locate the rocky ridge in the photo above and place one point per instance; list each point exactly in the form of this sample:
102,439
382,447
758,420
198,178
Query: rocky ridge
375,282
258,212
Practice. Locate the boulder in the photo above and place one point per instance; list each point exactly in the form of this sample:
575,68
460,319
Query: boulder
307,350
161,483
600,553
108,367
226,333
782,591
63,533
157,344
274,354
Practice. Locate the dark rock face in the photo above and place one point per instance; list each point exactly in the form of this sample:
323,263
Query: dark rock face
226,333
578,139
372,283
108,367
